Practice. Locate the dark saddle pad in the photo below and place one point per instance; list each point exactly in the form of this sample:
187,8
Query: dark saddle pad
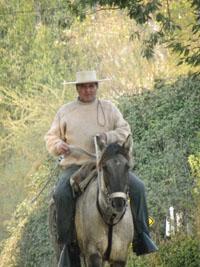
81,178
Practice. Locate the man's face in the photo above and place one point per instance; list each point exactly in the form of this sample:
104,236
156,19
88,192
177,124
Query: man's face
87,91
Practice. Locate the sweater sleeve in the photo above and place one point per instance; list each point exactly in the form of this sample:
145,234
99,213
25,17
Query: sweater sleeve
121,128
120,132
53,136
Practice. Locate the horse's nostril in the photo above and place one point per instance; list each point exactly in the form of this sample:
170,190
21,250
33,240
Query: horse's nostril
122,202
118,203
113,203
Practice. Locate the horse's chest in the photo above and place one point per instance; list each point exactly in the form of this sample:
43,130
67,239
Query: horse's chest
93,233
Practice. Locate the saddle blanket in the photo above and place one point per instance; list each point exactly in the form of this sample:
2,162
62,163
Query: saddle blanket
81,178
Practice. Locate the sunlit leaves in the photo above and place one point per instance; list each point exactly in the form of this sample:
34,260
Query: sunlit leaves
169,16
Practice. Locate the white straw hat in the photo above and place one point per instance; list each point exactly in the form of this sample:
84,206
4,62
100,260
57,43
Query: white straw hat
86,77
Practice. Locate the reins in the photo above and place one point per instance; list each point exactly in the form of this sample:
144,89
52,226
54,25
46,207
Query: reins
73,149
97,159
76,149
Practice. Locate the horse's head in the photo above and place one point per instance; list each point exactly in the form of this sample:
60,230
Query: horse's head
114,166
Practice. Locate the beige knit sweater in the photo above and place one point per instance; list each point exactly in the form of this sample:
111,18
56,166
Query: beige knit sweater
77,123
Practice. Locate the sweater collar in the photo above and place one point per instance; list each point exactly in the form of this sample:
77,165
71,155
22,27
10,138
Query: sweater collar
86,103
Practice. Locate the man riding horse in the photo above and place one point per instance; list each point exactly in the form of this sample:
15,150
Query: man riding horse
76,124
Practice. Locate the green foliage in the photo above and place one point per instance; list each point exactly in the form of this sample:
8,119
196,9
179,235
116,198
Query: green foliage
181,252
28,47
170,23
194,161
35,248
165,123
33,64
29,243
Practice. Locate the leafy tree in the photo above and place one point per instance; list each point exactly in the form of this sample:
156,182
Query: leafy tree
175,23
165,123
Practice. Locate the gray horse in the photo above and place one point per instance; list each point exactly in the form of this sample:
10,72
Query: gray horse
103,219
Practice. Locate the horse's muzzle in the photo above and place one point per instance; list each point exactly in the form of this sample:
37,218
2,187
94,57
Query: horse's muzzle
118,201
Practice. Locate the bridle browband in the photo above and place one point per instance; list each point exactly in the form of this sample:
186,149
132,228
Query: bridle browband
118,194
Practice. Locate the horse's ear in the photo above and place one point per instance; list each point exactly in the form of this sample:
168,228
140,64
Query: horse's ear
127,145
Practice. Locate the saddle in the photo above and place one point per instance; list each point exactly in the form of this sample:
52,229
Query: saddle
81,178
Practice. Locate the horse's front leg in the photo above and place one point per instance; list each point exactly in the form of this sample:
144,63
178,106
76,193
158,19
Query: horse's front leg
94,260
118,264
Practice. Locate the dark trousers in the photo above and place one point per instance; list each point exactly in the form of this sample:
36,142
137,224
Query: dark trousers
65,206
138,204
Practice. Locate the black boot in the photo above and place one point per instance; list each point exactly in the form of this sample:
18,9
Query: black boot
142,243
64,260
70,256
74,255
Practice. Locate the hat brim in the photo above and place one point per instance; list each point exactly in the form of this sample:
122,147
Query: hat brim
94,81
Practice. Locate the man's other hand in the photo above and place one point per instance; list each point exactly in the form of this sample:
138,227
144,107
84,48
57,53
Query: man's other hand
102,137
63,148
102,140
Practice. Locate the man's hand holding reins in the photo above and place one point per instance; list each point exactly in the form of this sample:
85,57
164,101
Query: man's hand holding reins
63,148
